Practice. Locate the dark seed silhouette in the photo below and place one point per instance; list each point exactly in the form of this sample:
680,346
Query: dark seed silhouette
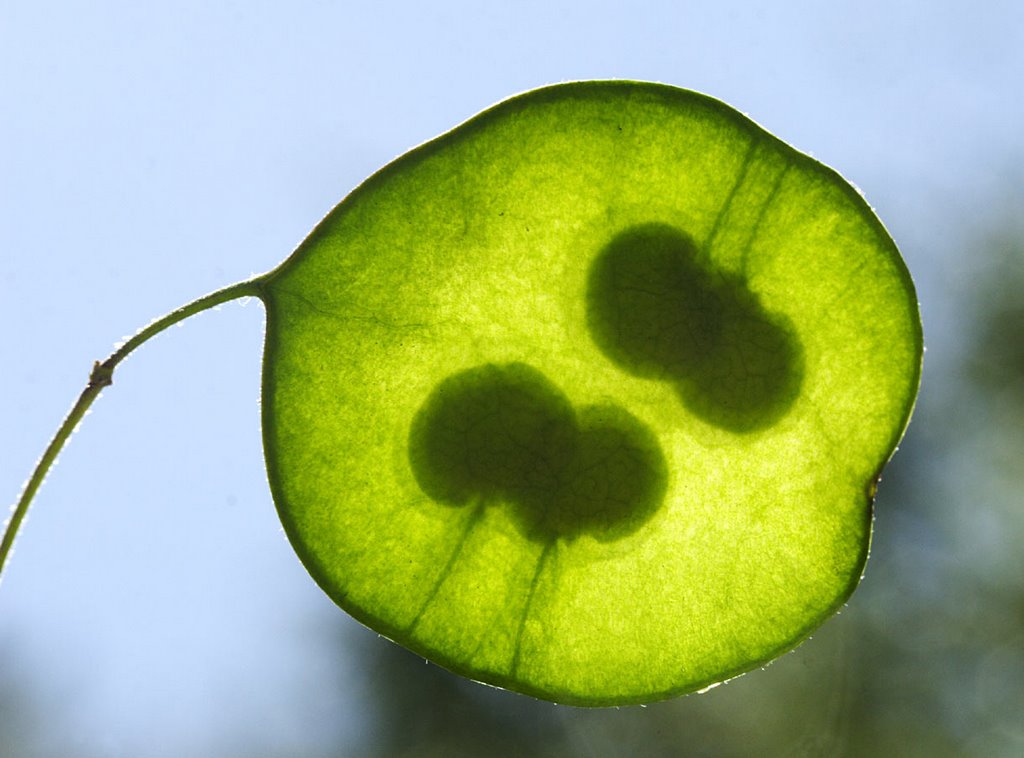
658,312
506,434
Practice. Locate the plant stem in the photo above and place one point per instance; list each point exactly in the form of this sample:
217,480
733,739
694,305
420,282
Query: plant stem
103,376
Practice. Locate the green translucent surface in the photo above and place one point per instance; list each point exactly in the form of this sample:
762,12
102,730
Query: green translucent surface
587,398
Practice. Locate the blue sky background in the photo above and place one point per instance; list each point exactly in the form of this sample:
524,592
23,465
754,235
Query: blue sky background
152,152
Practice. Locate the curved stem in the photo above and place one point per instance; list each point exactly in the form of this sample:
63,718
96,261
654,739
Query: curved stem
103,376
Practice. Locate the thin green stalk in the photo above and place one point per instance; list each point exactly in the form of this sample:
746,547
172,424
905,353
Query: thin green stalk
103,376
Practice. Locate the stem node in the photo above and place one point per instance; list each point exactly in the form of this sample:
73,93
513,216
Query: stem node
102,375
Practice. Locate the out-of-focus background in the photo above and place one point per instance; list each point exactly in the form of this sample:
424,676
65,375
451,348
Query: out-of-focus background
151,152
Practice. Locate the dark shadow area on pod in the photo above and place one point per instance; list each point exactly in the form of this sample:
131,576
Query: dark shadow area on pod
658,312
506,434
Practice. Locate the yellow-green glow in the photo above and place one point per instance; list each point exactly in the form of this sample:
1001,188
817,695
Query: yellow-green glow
586,397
